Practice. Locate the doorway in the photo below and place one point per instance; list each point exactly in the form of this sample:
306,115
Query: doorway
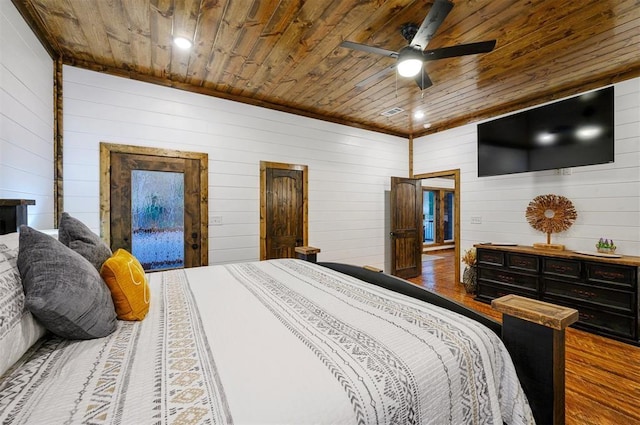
447,181
283,209
438,216
154,204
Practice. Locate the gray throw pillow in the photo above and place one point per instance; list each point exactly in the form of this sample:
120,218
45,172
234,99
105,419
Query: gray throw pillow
77,236
62,289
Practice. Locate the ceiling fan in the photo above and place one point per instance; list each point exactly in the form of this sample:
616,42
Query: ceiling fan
410,58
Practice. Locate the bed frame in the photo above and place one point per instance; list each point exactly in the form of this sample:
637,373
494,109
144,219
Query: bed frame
532,331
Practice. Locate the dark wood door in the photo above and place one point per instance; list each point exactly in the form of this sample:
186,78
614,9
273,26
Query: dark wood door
186,172
406,227
284,212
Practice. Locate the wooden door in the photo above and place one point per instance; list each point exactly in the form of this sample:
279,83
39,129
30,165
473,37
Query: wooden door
284,210
177,227
406,227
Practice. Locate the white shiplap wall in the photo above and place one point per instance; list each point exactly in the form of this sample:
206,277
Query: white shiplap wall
26,117
606,197
349,168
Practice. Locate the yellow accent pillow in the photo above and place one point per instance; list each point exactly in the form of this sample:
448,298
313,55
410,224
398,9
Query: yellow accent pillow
128,284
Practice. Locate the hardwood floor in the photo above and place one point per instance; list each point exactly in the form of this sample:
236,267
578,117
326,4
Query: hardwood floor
602,375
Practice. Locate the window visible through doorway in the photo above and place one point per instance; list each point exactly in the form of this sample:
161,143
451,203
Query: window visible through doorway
438,216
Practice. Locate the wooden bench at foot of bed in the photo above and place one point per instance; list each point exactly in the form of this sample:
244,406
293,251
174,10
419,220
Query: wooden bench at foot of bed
534,333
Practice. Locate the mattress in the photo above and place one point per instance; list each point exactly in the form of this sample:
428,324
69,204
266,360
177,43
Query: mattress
272,342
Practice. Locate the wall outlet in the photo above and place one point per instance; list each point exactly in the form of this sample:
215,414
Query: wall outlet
216,220
476,220
566,171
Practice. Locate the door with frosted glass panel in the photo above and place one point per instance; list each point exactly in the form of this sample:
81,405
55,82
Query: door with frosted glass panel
155,210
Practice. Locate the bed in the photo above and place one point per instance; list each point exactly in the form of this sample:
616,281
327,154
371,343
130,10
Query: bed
272,342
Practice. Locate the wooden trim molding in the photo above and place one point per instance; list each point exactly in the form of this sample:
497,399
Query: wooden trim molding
455,174
410,156
263,201
58,143
105,183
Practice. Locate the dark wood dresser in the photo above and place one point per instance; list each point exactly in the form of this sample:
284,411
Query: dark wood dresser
13,213
604,290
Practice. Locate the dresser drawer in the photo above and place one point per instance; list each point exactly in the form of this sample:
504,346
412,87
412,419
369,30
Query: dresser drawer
523,262
508,277
488,291
487,256
622,301
608,274
599,320
561,267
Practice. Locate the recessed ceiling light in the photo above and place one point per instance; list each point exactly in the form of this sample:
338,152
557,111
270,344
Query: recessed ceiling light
418,115
427,125
182,42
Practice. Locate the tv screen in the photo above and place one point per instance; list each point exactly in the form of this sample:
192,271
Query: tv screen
569,133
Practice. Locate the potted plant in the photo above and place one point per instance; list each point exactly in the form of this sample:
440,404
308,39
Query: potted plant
470,274
606,246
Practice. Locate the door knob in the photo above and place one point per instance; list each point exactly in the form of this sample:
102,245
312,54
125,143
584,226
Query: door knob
194,246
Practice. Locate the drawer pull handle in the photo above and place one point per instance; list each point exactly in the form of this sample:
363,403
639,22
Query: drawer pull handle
585,316
585,293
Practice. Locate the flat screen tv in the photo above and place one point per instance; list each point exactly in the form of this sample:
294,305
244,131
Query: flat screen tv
569,133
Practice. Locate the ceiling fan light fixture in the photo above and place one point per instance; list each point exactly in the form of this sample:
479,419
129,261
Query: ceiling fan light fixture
409,62
182,42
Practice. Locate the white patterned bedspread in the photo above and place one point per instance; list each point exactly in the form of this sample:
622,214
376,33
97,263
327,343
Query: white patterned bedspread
275,342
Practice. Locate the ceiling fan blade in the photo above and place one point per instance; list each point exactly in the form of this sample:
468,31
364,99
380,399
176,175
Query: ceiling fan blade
368,49
459,50
423,79
431,23
378,75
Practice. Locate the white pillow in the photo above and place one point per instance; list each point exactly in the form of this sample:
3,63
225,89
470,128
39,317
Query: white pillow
19,330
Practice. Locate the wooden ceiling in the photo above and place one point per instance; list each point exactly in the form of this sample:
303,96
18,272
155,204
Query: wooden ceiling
286,54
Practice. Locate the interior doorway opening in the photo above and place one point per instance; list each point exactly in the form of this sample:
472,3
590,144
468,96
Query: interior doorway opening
438,217
441,212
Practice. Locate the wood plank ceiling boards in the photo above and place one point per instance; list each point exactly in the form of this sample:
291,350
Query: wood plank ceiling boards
286,55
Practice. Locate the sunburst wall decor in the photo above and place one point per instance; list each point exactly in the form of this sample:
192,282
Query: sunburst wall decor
550,214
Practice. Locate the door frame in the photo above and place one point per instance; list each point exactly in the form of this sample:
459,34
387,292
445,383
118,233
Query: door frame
455,173
105,187
263,201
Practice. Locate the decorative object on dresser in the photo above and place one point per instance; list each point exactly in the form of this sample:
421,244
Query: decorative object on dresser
603,288
470,274
606,246
550,214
